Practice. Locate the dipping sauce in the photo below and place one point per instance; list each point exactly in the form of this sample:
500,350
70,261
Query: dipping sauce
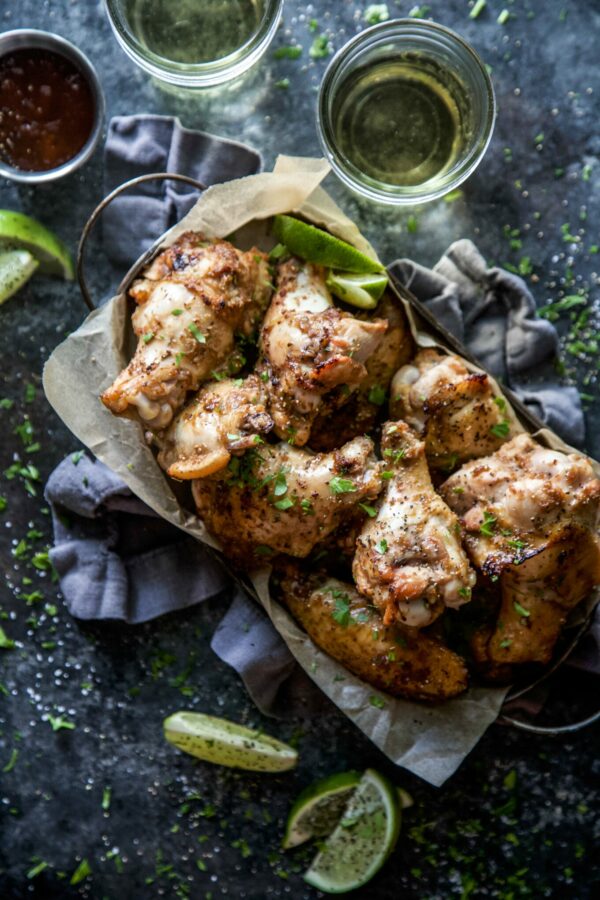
46,109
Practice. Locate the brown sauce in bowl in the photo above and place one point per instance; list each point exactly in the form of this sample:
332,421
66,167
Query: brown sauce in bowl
46,109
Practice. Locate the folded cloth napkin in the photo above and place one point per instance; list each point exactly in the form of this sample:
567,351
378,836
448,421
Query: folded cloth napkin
140,145
117,560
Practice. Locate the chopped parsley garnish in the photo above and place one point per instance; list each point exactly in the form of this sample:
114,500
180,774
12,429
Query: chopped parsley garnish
516,544
488,525
57,722
376,13
369,510
178,357
339,485
500,429
480,5
193,329
287,52
283,84
6,643
306,506
77,457
377,395
149,336
284,504
505,643
395,455
6,403
176,312
280,484
521,609
500,403
278,252
264,376
553,310
341,613
386,475
81,872
376,701
381,546
465,592
12,761
320,47
29,393
106,794
3,503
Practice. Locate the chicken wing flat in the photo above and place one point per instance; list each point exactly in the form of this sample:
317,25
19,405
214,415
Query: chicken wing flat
358,416
224,419
530,519
192,300
401,661
311,350
409,560
453,410
285,499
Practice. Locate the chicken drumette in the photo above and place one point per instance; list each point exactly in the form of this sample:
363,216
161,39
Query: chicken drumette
530,520
453,410
192,301
409,560
285,499
311,350
224,419
402,661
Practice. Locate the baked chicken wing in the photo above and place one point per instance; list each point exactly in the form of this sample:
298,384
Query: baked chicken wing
224,419
401,661
285,499
530,520
409,560
453,410
358,416
311,350
191,302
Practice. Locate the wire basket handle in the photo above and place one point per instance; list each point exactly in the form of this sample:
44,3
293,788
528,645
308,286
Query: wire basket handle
133,182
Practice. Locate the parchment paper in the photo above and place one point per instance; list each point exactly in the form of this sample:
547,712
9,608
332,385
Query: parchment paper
430,741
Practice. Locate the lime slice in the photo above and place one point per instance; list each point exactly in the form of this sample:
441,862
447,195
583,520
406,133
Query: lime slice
363,291
319,808
363,839
227,743
16,267
318,246
20,232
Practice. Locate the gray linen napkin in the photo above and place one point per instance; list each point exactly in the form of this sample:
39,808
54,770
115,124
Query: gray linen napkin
139,145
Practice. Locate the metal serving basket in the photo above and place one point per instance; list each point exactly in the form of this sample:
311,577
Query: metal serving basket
571,635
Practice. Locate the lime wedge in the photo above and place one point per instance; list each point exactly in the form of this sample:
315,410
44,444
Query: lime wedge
363,839
318,809
227,743
21,232
318,246
16,267
363,291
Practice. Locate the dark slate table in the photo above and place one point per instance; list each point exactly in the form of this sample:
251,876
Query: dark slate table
518,819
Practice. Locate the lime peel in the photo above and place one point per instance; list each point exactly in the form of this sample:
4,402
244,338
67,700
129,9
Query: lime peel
319,807
363,291
318,246
363,839
16,268
21,232
227,743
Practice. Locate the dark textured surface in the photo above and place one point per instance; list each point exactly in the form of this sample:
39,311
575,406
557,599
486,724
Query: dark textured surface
518,820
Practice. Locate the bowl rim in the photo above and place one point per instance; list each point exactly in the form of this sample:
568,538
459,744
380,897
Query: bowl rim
33,38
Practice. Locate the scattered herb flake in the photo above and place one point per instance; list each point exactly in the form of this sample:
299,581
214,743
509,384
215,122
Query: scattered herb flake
6,643
149,336
521,609
57,722
478,8
81,872
500,429
377,395
339,485
12,761
488,525
369,510
287,52
381,546
376,701
284,504
193,329
283,84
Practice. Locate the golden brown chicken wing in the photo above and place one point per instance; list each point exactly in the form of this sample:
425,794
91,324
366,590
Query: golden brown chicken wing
401,661
286,499
453,410
192,300
530,519
409,560
224,419
311,350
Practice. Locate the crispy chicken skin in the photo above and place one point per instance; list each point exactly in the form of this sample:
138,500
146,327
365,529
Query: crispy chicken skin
191,301
358,415
224,419
401,661
453,410
409,560
530,519
285,499
311,350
